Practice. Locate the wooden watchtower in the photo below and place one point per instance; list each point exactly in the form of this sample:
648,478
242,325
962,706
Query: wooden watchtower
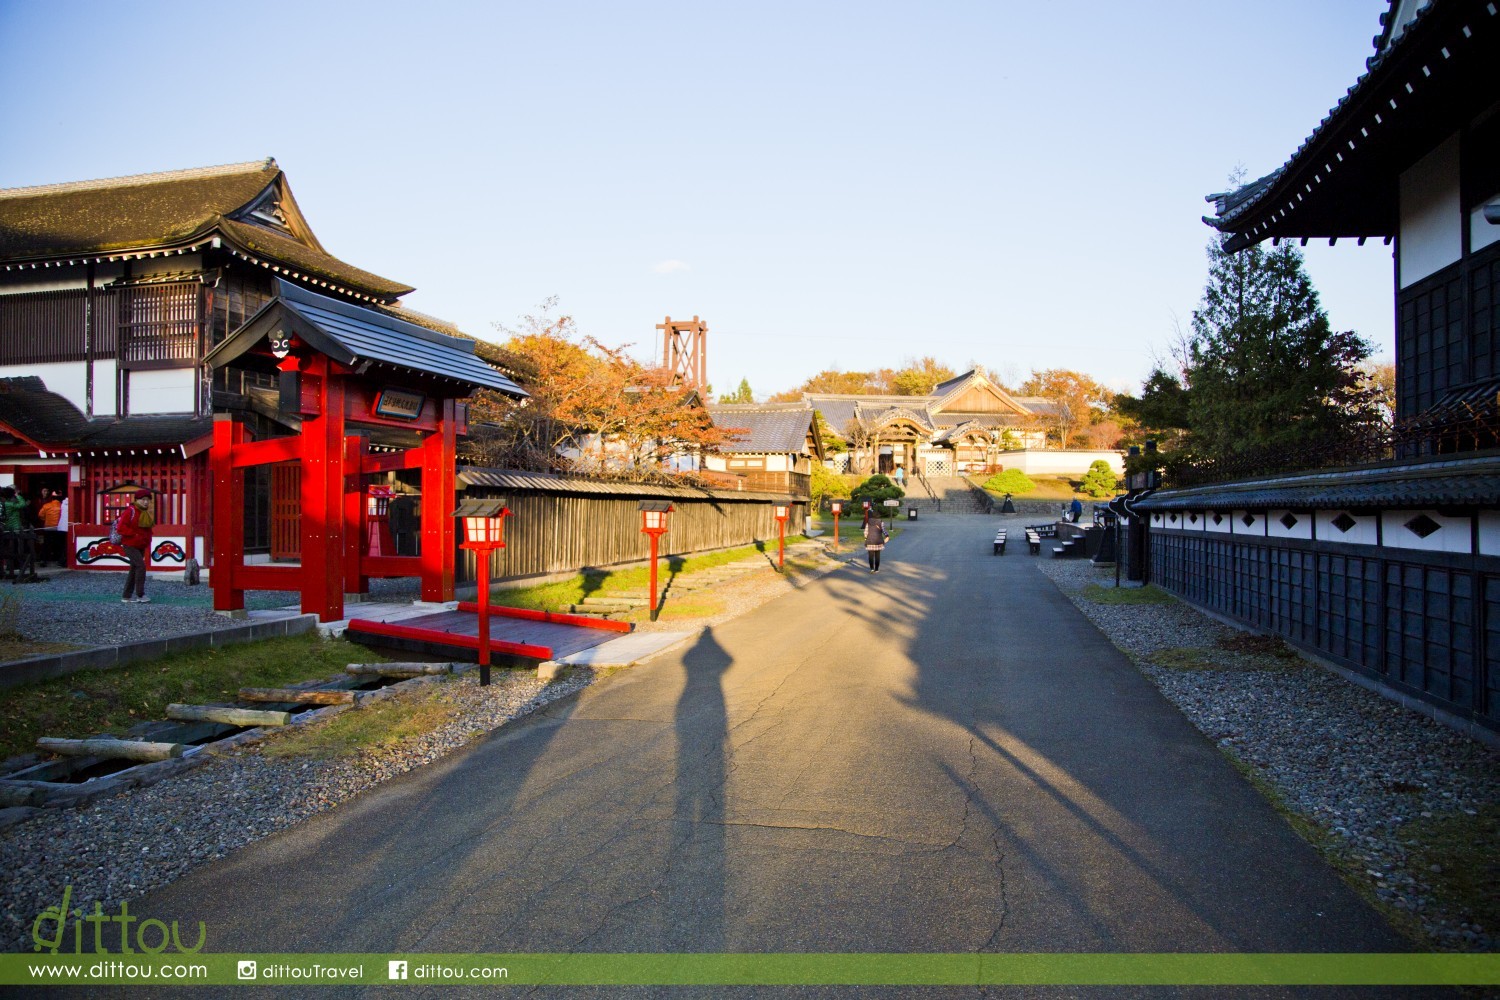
684,350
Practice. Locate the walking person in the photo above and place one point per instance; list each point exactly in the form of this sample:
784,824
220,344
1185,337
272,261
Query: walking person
134,528
875,536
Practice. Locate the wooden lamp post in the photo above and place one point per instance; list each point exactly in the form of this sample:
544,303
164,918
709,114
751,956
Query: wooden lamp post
783,511
654,525
837,509
484,532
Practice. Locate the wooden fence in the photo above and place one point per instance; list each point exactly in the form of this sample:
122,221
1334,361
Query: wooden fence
556,530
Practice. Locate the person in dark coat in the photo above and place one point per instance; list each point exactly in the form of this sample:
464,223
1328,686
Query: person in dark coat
875,537
1075,510
134,525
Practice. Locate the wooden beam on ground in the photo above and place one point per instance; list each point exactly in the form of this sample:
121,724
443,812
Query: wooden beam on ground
228,716
111,748
399,669
297,696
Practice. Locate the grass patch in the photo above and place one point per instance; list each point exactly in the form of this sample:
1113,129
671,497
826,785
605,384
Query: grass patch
1256,645
1148,594
681,610
380,726
603,583
1466,851
112,701
1042,488
1184,658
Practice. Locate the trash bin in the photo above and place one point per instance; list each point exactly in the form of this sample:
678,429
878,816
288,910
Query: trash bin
911,513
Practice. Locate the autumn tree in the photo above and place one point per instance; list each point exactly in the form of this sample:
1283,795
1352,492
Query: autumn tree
919,377
1081,401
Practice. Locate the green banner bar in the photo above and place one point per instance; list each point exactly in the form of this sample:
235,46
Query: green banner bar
1170,969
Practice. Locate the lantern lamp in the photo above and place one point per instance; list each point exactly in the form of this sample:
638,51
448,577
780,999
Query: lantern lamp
837,507
484,532
654,515
484,522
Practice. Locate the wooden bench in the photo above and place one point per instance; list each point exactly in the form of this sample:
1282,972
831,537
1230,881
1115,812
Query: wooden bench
1000,542
1033,541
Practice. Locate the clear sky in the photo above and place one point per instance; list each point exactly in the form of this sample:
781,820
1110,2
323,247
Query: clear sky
828,185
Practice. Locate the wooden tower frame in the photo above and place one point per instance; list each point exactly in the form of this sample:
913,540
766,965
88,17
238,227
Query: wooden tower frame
685,350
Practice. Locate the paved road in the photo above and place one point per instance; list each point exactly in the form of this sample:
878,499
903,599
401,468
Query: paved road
942,757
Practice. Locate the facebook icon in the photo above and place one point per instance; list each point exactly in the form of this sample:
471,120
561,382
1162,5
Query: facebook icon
396,970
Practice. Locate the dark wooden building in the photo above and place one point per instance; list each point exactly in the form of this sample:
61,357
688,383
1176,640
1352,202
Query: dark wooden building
1391,570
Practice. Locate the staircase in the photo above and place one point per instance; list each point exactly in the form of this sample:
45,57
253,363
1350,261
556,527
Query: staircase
944,494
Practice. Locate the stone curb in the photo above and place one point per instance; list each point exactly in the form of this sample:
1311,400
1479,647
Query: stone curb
48,665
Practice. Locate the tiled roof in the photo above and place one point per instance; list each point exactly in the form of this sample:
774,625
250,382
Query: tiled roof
1447,483
351,334
515,481
168,210
771,428
50,422
1341,181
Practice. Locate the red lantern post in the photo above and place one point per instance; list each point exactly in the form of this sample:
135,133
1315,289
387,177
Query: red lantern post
837,508
484,532
654,525
783,511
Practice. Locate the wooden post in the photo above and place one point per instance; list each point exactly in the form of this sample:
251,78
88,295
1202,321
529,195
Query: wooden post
323,496
654,537
356,516
439,494
228,515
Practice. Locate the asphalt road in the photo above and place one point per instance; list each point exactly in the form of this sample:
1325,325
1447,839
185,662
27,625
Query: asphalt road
942,757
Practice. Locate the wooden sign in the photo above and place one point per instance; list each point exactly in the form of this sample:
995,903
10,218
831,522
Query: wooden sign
398,404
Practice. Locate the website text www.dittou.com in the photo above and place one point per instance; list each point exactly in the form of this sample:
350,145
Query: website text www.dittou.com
116,970
430,972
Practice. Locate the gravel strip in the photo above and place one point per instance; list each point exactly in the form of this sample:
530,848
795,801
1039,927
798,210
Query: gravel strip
122,847
1355,765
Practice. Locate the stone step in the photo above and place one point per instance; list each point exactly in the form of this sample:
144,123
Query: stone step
607,603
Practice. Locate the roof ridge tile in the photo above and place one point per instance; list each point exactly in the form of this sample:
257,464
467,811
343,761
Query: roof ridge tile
137,180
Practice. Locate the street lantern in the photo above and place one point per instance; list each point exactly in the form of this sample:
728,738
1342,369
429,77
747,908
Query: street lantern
837,508
654,525
783,511
484,532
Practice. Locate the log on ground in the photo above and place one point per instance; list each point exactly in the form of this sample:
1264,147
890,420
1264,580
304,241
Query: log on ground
228,716
105,747
297,696
399,669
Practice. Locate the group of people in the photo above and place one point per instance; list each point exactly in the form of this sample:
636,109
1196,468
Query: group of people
29,534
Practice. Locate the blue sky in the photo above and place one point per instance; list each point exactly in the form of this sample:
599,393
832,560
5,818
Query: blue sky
828,185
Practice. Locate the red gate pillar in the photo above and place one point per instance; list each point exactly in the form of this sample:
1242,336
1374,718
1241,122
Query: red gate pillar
439,498
323,498
355,516
228,515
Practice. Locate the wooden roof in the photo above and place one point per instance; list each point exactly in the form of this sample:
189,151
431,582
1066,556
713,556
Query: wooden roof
1434,76
248,207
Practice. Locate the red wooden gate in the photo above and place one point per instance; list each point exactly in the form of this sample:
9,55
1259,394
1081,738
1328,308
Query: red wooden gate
286,512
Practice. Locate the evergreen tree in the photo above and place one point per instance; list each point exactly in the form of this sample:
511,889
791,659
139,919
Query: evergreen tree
1263,369
740,395
1261,373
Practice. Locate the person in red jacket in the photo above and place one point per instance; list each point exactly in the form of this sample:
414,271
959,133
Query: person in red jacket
134,525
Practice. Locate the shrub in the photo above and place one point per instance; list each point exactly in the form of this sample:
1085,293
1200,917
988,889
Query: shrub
877,489
1100,480
1010,481
827,484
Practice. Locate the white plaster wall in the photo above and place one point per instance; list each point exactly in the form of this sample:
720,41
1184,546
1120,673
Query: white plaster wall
1489,533
1059,463
777,463
1364,532
69,379
1195,520
167,390
1256,528
1454,536
1431,214
714,463
1302,529
1224,527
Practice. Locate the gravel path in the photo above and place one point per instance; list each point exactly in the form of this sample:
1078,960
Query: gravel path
1352,763
120,848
